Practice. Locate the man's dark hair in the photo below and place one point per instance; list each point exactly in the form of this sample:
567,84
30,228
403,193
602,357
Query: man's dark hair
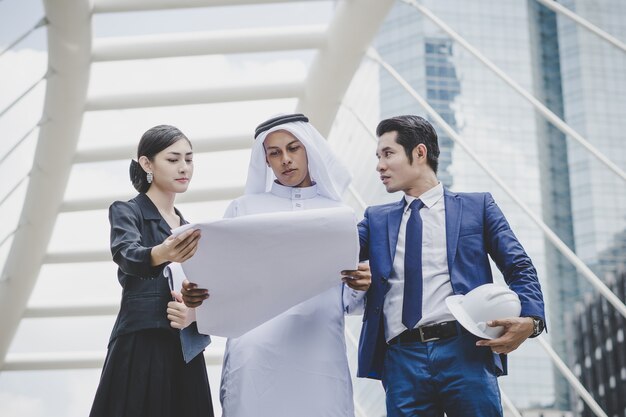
413,130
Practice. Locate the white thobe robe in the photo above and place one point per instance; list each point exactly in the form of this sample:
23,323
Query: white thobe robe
294,365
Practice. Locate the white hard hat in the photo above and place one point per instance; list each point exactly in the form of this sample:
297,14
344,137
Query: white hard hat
482,304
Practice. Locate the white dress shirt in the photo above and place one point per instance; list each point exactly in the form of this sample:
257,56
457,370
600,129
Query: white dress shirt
436,277
294,364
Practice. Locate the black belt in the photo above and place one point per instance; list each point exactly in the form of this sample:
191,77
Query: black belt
427,333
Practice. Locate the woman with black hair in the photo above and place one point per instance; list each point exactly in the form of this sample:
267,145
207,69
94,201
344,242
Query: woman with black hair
145,373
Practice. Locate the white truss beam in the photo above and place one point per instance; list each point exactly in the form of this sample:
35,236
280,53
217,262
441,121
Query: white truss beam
116,6
349,34
209,43
191,196
200,145
75,310
77,257
194,96
47,361
69,55
556,7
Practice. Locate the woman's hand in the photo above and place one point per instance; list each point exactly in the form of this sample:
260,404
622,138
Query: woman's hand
179,315
176,248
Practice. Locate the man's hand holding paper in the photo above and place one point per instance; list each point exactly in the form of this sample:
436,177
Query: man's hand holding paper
359,279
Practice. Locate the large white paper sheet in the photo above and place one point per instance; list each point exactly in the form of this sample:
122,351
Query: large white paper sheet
258,266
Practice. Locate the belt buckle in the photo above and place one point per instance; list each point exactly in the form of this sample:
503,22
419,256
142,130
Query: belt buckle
423,338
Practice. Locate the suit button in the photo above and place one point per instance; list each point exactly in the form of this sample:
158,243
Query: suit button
377,310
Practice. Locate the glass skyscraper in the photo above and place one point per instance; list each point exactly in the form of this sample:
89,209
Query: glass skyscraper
593,79
594,96
577,76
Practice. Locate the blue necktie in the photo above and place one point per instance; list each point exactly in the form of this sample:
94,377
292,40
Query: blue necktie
412,301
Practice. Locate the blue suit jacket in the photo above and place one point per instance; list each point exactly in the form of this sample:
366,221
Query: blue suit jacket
475,228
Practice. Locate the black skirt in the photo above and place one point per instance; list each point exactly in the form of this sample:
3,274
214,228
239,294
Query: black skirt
144,375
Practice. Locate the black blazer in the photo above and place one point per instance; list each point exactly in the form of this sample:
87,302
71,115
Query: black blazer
137,226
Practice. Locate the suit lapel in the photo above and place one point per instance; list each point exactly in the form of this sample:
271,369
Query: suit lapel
454,210
164,227
150,212
394,218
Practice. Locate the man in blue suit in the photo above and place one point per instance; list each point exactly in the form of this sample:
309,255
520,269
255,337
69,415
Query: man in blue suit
432,244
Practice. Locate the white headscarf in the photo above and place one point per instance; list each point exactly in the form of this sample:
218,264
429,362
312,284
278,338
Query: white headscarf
330,175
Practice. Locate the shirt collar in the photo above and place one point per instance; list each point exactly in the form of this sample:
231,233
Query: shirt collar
429,198
150,212
294,193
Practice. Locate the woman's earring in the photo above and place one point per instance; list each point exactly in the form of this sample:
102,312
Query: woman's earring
149,177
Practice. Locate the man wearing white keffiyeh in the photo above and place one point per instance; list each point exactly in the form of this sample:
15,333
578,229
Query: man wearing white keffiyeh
294,364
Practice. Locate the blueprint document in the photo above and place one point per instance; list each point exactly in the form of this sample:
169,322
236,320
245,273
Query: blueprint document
258,266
